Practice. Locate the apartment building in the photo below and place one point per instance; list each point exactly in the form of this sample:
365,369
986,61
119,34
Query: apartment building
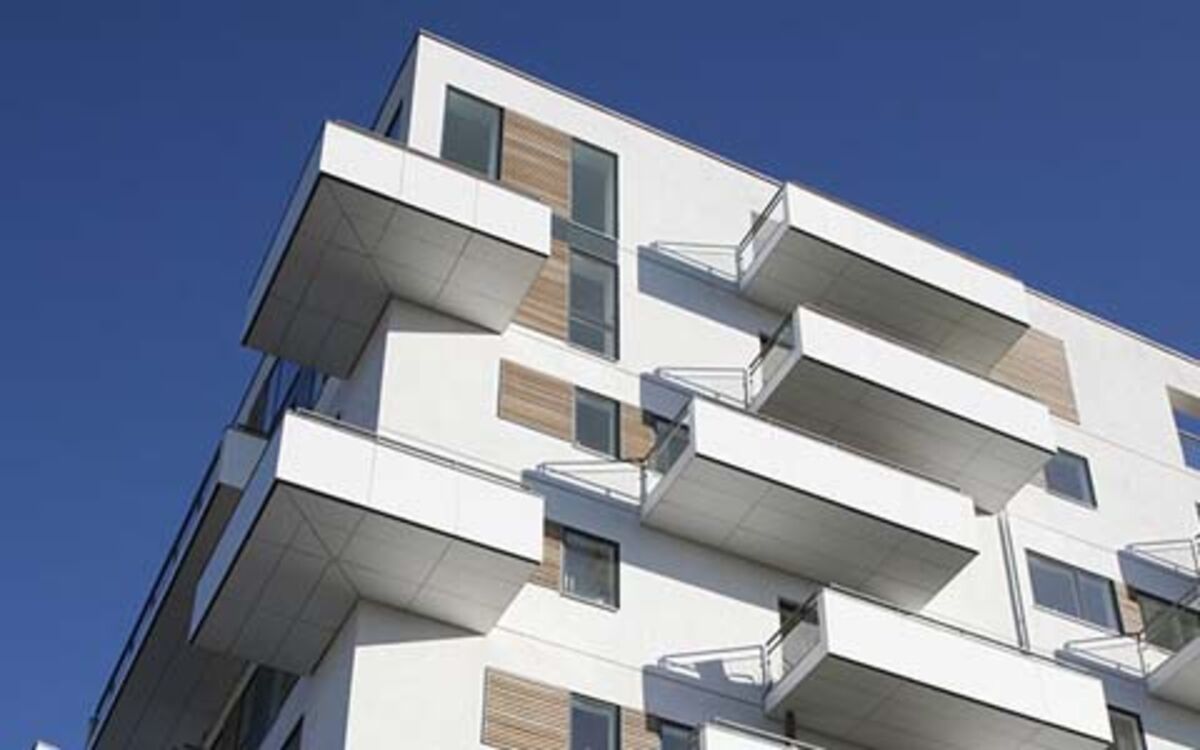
570,435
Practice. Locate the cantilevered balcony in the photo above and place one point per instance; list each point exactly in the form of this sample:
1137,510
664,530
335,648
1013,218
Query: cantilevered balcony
799,502
369,220
883,678
724,735
332,515
163,693
831,377
808,250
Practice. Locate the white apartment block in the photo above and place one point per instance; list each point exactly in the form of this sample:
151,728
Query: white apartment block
569,435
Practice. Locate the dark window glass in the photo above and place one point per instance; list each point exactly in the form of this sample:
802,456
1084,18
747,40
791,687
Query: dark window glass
1189,437
597,423
471,133
255,710
589,569
594,188
674,736
1073,592
593,725
1126,730
1067,476
593,296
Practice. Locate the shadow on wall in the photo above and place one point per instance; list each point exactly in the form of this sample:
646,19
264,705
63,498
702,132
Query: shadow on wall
663,273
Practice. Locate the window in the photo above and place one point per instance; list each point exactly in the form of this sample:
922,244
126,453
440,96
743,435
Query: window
1073,592
1167,625
471,133
397,124
255,710
593,725
672,736
1067,475
597,423
1188,427
1126,731
593,297
594,188
589,568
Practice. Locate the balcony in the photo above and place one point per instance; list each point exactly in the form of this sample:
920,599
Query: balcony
808,250
883,678
831,377
369,220
796,501
162,692
334,514
724,735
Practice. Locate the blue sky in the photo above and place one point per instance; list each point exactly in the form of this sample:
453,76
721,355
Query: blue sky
148,150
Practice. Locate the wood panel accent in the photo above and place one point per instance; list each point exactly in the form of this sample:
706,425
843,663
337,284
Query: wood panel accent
1129,609
536,158
638,731
545,305
549,573
1037,366
521,714
637,436
536,400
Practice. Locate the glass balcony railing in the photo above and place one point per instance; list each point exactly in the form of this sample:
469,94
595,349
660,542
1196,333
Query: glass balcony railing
764,232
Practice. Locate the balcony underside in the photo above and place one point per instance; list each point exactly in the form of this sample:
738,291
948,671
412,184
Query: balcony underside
172,692
819,253
371,220
882,678
1177,679
909,409
800,504
333,516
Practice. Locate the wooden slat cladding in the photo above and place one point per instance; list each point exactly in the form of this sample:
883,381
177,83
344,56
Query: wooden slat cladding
536,400
545,305
1129,609
521,714
1037,366
638,731
637,436
549,573
536,158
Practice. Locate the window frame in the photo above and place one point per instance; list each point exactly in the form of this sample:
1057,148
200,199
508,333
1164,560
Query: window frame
612,709
1076,575
576,251
567,532
1137,723
1084,502
616,189
499,158
616,422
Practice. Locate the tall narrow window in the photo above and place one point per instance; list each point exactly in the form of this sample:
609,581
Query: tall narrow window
593,725
597,423
471,133
594,188
1126,731
1188,427
589,568
593,295
1073,592
1068,476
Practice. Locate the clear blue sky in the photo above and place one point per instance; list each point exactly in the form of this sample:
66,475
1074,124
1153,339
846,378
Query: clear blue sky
147,153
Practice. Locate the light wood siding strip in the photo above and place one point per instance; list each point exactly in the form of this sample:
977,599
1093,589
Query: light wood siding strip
536,400
637,731
637,437
1131,612
521,714
1037,366
549,573
536,158
545,305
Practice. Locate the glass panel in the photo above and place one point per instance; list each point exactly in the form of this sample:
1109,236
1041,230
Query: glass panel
675,737
1067,475
1126,730
596,423
471,133
1096,600
397,122
1053,586
593,294
593,725
590,568
1168,626
594,188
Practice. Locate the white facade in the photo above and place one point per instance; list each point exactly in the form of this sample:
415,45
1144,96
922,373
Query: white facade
880,463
